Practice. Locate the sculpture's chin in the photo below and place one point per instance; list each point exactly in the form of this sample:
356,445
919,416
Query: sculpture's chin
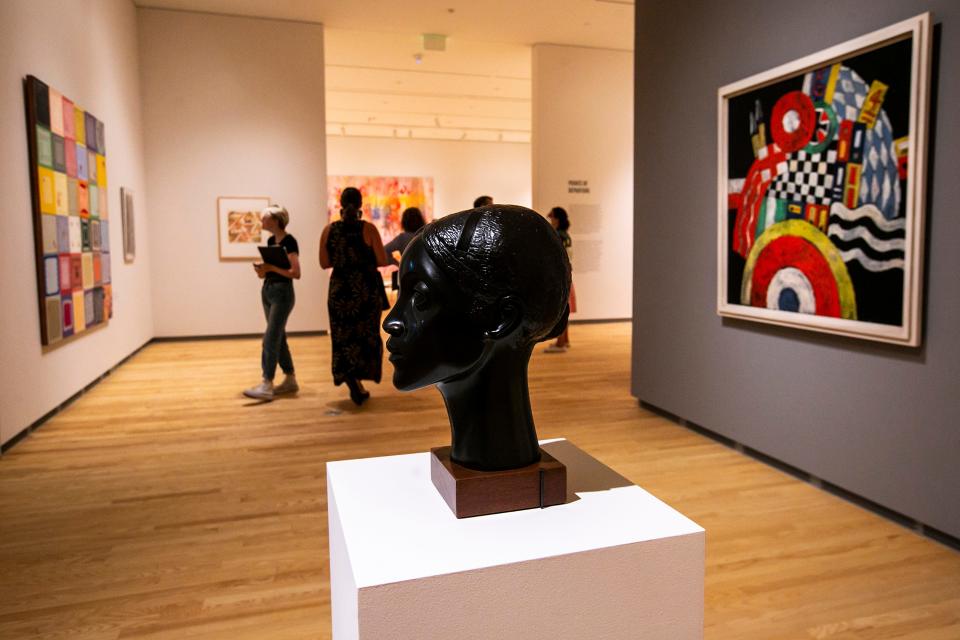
404,382
411,372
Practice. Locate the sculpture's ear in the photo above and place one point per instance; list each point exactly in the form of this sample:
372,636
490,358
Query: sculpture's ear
506,317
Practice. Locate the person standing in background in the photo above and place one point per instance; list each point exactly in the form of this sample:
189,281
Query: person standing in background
278,299
411,222
353,248
561,223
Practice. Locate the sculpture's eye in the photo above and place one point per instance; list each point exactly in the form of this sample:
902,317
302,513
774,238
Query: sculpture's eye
421,296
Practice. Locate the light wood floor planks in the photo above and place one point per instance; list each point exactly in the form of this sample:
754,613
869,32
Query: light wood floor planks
164,505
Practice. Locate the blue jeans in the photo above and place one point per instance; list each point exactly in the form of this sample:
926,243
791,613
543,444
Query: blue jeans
278,300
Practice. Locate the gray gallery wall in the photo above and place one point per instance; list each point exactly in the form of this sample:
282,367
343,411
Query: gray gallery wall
881,421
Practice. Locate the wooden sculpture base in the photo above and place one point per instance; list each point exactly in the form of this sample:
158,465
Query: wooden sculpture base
476,493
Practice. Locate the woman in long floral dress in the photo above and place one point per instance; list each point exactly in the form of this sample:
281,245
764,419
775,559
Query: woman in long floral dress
353,248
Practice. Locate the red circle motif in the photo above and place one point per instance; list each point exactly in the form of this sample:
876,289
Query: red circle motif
796,252
801,104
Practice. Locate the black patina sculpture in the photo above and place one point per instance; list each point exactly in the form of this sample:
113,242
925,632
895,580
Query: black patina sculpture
478,289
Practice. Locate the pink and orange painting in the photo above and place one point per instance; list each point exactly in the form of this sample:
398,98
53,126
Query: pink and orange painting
384,199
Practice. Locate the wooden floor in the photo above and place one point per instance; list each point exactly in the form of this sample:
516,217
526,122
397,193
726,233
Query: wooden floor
162,504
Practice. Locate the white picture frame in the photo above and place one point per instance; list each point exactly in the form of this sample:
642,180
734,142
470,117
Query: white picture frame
238,226
762,228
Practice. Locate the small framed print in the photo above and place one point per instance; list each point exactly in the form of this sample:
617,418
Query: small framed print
238,226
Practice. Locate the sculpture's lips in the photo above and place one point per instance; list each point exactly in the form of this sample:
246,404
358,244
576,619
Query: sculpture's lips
394,354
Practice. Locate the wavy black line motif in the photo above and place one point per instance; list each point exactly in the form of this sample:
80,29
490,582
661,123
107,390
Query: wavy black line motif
867,211
868,224
839,234
856,255
867,250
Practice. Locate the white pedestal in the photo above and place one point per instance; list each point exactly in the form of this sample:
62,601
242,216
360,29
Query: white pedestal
612,563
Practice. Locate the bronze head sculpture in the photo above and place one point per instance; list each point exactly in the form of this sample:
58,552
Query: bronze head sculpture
478,289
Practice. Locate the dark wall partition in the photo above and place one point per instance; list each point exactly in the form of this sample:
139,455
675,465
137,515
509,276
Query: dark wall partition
878,420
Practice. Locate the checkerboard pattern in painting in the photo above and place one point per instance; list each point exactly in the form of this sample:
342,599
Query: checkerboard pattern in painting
69,176
809,178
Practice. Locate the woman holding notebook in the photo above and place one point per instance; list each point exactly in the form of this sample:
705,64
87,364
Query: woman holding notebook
278,299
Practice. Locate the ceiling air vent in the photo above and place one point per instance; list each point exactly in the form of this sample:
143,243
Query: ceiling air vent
434,42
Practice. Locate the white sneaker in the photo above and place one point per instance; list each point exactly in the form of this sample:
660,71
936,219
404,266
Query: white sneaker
263,391
289,385
555,348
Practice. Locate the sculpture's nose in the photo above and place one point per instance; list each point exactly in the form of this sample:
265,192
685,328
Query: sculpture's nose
393,326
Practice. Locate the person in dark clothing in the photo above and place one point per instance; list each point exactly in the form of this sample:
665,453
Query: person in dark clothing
561,223
353,248
278,300
411,222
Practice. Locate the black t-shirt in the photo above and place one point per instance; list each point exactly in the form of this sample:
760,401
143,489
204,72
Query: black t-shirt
289,243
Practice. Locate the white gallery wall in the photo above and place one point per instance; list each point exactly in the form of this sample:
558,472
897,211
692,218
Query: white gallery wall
461,170
232,107
583,161
88,51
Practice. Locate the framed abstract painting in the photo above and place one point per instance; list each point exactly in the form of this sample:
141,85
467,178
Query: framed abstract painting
822,173
384,199
238,226
68,183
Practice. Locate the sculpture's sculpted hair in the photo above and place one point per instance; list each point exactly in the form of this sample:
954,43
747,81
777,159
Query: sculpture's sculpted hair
501,250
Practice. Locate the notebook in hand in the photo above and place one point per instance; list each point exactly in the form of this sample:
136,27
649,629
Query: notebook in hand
275,255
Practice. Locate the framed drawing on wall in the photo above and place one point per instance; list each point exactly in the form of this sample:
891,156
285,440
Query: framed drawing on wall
822,188
127,222
68,184
238,225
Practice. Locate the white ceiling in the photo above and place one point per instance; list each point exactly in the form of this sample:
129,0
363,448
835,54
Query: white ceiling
606,24
471,91
477,89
